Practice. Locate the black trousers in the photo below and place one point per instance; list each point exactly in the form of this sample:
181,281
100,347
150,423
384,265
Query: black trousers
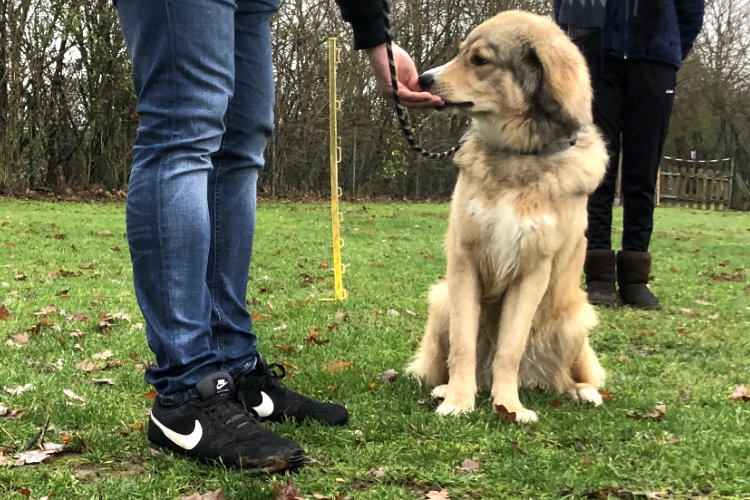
632,103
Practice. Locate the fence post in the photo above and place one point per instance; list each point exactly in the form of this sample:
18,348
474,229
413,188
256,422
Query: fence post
731,184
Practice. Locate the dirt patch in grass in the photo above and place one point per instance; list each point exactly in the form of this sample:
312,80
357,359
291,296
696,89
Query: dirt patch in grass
87,473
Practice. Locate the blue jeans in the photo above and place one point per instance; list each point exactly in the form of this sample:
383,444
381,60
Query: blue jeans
204,82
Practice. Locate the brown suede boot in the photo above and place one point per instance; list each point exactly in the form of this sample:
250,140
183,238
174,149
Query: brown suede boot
599,268
633,269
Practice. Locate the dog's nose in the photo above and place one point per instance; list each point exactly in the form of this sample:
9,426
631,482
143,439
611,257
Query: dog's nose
426,80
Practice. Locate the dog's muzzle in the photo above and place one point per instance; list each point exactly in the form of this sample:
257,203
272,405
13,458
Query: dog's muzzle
427,79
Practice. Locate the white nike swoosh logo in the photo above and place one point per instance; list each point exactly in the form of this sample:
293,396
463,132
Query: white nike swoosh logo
265,408
185,441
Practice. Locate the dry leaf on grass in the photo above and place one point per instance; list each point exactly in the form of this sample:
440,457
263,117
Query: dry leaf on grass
73,395
86,365
19,340
741,393
102,355
18,390
379,471
5,313
286,348
287,491
337,366
469,465
37,456
313,335
658,413
389,376
510,416
438,495
214,495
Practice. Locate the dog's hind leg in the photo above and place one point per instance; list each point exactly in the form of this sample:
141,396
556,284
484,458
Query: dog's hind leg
431,361
588,375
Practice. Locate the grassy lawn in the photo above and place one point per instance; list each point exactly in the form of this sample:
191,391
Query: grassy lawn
70,327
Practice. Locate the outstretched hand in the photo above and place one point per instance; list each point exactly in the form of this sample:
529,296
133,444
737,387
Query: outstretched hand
409,90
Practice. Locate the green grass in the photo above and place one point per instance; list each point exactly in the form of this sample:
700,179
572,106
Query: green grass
690,356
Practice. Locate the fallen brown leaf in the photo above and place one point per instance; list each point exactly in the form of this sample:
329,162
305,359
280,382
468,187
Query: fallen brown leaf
18,390
150,395
214,495
516,446
379,471
337,366
741,393
20,339
86,365
469,465
313,336
4,312
287,491
657,414
73,395
606,395
389,376
37,456
438,495
505,414
102,355
286,348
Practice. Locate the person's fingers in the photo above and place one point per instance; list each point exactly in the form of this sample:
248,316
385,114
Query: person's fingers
413,99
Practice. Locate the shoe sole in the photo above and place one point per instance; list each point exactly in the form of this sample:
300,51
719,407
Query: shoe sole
267,466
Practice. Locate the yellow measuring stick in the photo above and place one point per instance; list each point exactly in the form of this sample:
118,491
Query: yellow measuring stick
335,158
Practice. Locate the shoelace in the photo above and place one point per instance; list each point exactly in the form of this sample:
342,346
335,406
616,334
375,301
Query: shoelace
229,414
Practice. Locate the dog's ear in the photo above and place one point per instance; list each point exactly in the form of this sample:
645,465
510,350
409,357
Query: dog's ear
543,97
531,76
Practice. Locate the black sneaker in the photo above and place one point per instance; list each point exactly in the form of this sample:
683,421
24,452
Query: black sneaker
262,393
218,428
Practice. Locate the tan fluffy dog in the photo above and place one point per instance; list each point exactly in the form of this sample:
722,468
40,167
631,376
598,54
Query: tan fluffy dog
511,311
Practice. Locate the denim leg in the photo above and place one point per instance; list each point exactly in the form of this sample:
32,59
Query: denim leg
232,184
183,69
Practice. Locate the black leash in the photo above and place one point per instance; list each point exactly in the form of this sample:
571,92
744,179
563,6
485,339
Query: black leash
400,110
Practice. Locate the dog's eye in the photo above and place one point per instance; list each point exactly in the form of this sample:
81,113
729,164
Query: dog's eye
477,60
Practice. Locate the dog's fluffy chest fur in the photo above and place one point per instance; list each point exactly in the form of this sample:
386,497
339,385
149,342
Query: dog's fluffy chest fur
504,240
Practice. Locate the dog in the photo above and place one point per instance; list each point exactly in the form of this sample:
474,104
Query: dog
510,311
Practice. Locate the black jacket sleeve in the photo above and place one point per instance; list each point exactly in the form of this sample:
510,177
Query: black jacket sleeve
367,20
690,17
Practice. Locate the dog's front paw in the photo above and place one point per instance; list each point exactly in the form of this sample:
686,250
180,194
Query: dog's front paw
453,404
585,393
455,409
440,391
525,416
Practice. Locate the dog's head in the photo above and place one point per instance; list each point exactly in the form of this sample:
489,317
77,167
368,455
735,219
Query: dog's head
520,78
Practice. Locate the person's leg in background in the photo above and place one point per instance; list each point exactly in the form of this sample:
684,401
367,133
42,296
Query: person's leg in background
183,68
649,98
599,266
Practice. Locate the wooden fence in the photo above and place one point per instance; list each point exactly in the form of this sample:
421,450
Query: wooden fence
702,184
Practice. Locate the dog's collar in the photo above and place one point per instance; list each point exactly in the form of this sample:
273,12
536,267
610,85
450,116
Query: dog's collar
552,149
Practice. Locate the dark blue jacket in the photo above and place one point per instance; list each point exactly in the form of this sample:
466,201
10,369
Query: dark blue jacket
673,37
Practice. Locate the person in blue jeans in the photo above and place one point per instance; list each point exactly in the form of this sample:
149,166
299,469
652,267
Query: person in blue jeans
634,49
205,92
